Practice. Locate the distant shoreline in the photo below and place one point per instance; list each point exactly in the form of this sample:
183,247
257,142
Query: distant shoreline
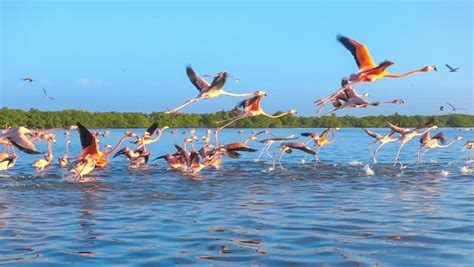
116,120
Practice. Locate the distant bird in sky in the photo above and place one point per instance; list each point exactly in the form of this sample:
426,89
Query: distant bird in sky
46,96
453,107
441,108
27,79
368,70
206,90
451,69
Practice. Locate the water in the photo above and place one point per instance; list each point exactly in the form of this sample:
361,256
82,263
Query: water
330,213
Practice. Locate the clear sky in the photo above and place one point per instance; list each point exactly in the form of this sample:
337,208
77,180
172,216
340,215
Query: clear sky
77,50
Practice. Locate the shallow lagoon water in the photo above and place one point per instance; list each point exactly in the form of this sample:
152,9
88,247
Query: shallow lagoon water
309,214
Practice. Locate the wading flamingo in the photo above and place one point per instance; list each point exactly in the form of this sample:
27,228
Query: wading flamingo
40,164
379,139
437,141
323,140
407,134
368,70
252,108
193,163
206,90
64,160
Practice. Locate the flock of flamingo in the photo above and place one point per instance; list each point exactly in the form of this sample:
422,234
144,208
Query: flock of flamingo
190,160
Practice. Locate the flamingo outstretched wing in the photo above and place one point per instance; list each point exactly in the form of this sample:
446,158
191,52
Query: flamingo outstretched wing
196,80
359,51
373,134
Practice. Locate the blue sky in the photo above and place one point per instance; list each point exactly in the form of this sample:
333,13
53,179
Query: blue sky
77,50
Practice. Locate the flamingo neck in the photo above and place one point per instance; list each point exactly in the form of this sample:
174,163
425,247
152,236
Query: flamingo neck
450,143
116,146
391,75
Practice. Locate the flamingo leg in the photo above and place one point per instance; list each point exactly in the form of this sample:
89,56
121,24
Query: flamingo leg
190,101
422,154
375,152
268,148
279,161
234,120
398,154
261,153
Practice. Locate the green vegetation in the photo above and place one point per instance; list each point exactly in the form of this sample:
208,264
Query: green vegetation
48,119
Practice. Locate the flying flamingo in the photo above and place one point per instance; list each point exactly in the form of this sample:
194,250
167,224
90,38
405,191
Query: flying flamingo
206,90
48,157
174,161
407,134
64,160
46,96
288,148
136,157
379,139
270,141
323,140
368,70
252,108
231,150
437,141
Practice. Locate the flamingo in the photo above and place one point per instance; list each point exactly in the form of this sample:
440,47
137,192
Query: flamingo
407,134
252,108
146,139
231,150
437,141
136,157
451,69
40,164
470,146
64,160
368,70
379,139
211,158
270,141
104,159
193,163
288,148
206,90
323,140
174,161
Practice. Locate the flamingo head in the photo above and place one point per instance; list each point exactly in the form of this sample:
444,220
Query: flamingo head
459,138
260,93
222,74
365,95
66,133
68,142
429,68
130,134
398,101
292,111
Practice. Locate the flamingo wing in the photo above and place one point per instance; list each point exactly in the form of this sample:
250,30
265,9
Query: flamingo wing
440,137
373,134
301,146
152,128
196,80
24,144
425,138
239,147
218,82
397,129
359,52
453,107
427,124
88,141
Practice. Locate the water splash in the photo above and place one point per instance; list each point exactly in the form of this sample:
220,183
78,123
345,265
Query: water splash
444,173
356,163
368,170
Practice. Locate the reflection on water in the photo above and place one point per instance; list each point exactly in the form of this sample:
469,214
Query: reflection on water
312,213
